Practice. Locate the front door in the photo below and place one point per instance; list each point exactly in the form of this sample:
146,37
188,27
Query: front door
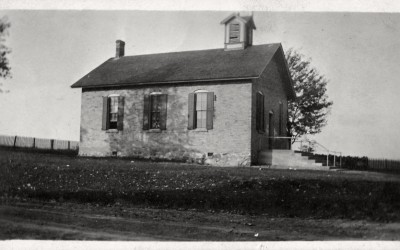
271,130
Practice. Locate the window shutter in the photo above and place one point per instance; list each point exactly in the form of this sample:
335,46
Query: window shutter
280,119
258,117
105,120
163,115
120,122
191,111
210,110
262,113
146,112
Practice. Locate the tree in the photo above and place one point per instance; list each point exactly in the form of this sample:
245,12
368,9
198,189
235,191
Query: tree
5,70
308,113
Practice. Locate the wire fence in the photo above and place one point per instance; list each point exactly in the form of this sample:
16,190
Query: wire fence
34,143
362,163
53,145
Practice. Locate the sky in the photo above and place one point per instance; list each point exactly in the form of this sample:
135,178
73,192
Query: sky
359,53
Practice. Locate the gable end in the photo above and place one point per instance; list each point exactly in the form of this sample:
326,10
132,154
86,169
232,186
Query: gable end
279,58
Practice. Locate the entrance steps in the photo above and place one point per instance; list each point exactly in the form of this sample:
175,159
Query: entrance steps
311,156
288,159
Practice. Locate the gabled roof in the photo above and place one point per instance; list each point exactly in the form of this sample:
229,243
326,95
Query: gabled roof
184,66
181,67
248,20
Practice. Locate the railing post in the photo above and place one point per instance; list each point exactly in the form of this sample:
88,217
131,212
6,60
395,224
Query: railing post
340,159
69,145
15,141
52,144
327,159
34,142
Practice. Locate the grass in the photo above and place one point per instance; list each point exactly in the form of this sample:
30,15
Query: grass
285,193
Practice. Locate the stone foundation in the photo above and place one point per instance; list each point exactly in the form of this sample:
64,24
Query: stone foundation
219,159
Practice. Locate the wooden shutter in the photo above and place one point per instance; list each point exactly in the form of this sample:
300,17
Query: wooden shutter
210,110
163,114
280,119
105,120
191,111
146,112
120,122
262,113
234,32
260,117
258,112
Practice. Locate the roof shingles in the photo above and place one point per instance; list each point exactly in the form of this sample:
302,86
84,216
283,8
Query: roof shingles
188,66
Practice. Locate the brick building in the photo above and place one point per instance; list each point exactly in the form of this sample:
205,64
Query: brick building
219,106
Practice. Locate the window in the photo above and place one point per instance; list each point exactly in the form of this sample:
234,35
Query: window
201,110
234,33
260,120
155,111
113,112
113,109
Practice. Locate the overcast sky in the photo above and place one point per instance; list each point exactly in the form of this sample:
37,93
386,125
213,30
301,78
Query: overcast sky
358,52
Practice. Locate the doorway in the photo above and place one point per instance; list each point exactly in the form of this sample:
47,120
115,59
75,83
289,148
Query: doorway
271,125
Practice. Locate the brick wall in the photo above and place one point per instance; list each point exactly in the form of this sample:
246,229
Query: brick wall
229,140
271,85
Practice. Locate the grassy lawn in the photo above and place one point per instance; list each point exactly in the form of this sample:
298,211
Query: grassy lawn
242,191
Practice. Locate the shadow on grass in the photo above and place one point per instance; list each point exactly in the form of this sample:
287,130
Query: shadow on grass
68,152
311,199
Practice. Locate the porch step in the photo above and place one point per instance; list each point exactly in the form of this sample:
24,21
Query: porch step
284,159
311,156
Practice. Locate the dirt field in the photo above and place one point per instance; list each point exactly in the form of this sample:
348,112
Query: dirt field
71,221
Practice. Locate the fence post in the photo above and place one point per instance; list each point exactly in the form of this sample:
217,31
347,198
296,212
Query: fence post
34,142
69,145
340,159
52,144
334,160
15,141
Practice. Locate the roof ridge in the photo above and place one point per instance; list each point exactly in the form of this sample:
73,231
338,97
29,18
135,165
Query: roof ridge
187,51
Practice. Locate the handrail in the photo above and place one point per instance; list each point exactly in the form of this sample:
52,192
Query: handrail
314,142
322,146
328,153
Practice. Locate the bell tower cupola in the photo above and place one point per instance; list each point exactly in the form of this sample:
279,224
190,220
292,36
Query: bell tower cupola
238,31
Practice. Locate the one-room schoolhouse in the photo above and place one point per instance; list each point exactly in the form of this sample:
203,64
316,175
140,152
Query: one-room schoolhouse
219,107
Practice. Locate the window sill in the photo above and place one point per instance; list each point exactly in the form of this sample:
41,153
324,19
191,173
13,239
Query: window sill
112,131
200,130
154,130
